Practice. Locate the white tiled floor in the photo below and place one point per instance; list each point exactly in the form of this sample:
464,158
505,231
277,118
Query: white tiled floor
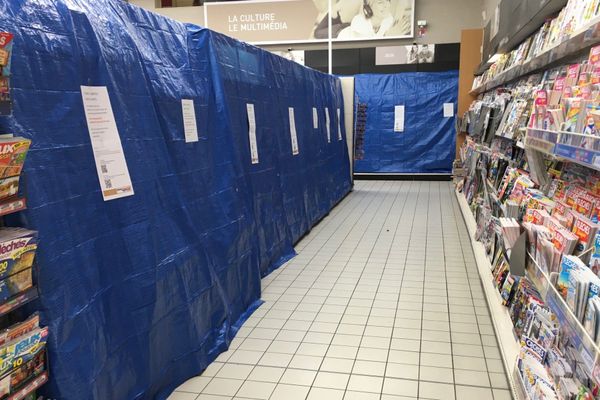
383,302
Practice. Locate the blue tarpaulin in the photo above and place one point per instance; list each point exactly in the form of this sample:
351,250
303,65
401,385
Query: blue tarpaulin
427,144
143,292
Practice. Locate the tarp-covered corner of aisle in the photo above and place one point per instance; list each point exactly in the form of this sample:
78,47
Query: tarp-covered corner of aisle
427,143
143,292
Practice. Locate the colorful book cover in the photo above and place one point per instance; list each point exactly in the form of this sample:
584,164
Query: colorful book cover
22,349
585,230
17,250
6,45
594,57
20,329
585,205
12,156
560,208
595,258
567,265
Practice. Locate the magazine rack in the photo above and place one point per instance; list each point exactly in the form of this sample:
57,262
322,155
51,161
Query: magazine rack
585,37
542,140
571,327
579,148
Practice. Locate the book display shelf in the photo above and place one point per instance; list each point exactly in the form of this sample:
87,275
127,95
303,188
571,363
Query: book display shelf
528,186
23,357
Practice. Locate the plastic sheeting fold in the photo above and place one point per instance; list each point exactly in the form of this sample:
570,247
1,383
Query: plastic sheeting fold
428,142
144,292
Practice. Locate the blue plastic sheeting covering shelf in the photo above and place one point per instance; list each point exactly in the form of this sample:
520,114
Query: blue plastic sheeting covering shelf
144,292
427,144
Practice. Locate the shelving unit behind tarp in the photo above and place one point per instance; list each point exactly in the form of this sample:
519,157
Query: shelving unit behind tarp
143,292
427,143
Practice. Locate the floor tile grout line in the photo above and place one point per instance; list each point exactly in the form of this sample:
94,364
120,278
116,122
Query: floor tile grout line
350,298
349,231
460,221
326,221
334,271
405,198
400,292
364,199
307,263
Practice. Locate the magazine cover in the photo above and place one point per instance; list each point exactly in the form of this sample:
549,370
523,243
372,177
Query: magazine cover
22,349
17,250
595,258
585,230
568,264
12,155
20,329
23,374
6,44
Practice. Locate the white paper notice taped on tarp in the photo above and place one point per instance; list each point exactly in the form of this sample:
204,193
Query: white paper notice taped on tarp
399,119
328,125
190,128
448,110
252,133
111,165
315,118
339,125
293,134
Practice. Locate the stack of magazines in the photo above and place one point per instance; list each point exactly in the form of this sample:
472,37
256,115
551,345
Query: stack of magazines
22,355
13,151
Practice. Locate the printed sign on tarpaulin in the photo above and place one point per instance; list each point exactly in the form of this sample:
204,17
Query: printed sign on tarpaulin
427,143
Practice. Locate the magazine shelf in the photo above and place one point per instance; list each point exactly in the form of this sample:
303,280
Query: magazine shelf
581,40
577,148
542,140
578,335
18,300
30,388
12,206
520,385
508,342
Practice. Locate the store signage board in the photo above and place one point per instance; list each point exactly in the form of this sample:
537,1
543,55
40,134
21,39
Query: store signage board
111,165
303,21
400,55
190,126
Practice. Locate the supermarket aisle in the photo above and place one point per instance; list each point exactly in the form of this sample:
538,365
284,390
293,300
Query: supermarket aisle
382,302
